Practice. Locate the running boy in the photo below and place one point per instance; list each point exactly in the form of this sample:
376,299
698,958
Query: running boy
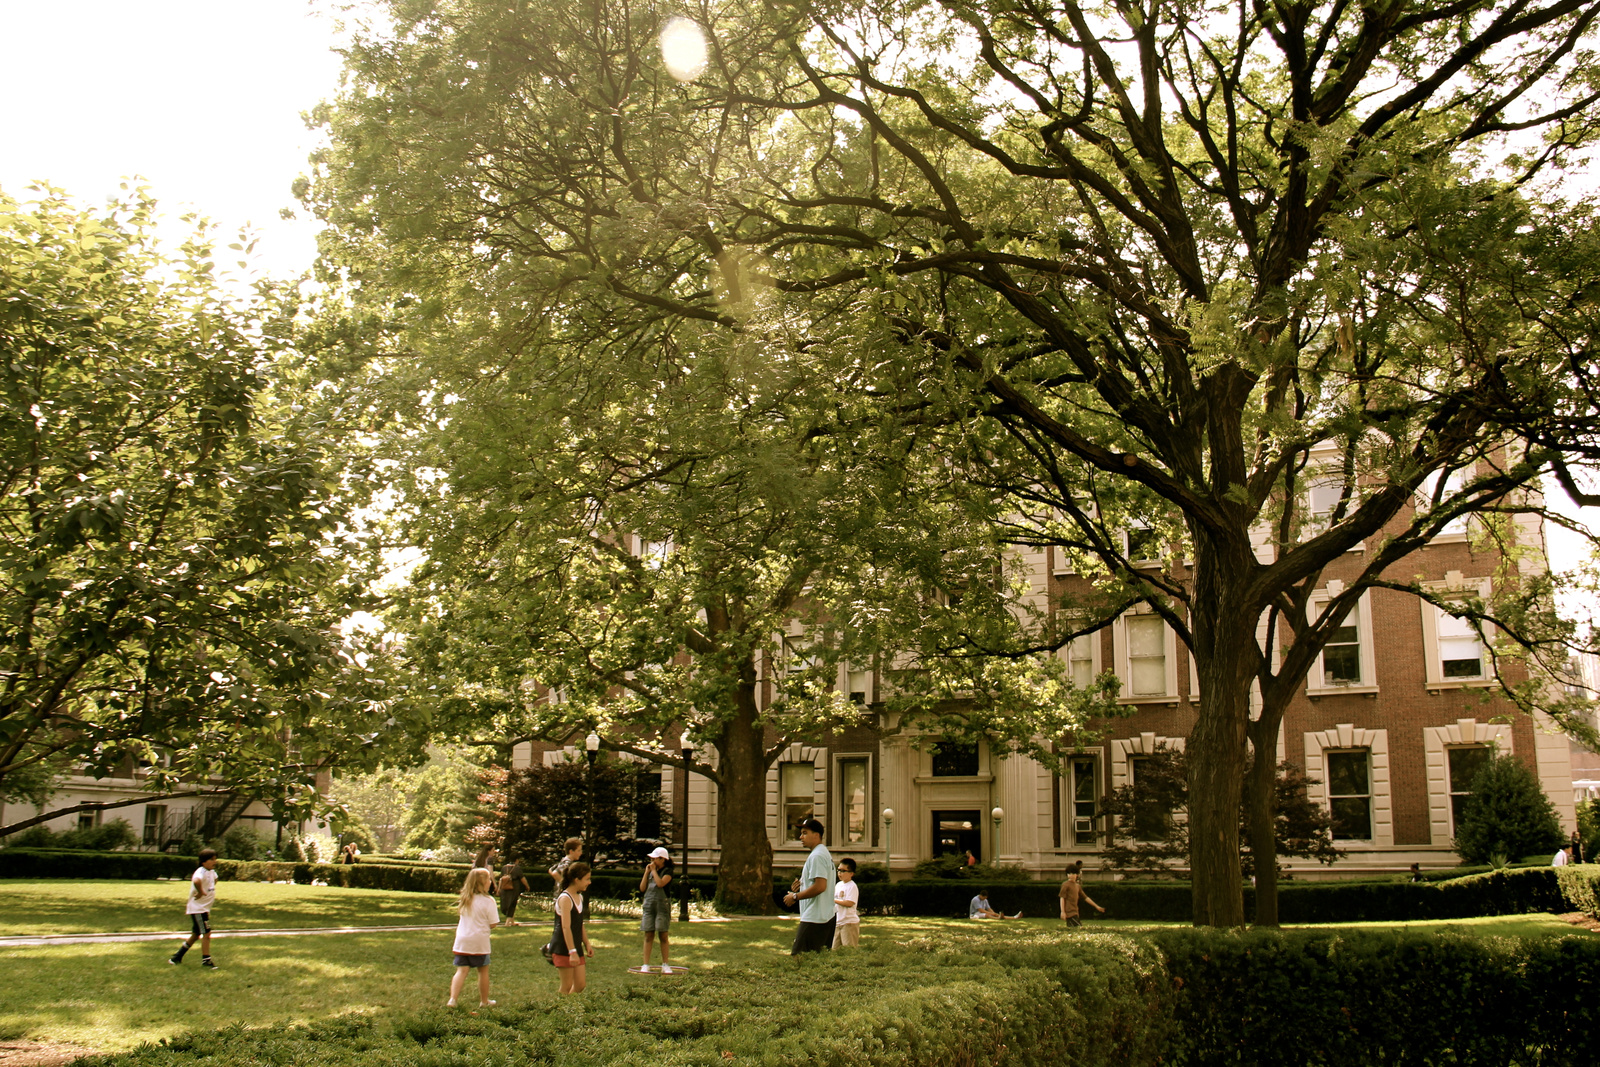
846,895
202,894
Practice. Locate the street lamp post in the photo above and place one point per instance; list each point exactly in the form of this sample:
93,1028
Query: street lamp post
888,853
999,816
591,749
686,744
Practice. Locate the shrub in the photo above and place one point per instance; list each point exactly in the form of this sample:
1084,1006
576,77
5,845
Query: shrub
239,843
1589,829
1507,813
292,852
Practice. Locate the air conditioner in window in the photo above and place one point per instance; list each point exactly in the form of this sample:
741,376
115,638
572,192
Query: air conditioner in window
1083,826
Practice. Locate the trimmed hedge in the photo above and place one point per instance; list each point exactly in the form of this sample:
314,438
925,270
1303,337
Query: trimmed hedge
1015,996
1512,891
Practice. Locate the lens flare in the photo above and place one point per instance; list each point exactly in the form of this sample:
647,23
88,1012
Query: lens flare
683,49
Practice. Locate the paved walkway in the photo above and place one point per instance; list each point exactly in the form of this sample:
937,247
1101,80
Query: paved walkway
34,940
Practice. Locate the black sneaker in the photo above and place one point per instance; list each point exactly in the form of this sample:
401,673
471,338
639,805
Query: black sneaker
174,960
207,963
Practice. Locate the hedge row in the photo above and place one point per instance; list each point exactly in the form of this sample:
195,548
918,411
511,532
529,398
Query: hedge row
1504,892
1015,996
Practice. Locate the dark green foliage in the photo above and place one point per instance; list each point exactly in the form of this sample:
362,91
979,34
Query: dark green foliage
1149,837
103,838
1507,814
1589,828
615,806
953,866
292,852
1019,997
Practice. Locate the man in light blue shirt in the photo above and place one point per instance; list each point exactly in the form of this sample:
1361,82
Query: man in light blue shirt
813,890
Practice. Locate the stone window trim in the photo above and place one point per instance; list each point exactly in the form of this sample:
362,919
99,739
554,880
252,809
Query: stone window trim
1317,683
1124,750
1347,736
838,832
1124,670
796,753
1434,679
1435,741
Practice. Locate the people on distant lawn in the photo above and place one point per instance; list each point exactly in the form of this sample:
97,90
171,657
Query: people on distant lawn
813,891
1559,859
978,908
558,871
202,894
478,915
657,911
1575,848
512,886
485,858
1072,892
846,897
971,858
570,949
1416,873
350,853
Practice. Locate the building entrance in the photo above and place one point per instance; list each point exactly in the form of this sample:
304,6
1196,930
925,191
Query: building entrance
956,832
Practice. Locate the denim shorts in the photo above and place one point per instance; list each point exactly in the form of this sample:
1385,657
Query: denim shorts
657,914
465,960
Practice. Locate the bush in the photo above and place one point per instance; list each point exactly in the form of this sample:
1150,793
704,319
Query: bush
1589,829
239,843
1506,814
105,837
292,852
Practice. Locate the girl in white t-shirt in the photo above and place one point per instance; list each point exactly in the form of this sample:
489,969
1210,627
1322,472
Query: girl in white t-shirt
479,914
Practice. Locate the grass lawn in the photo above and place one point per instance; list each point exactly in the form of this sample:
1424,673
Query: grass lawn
115,996
89,907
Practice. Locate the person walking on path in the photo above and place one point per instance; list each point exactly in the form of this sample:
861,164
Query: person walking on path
657,912
558,872
1072,892
478,916
813,890
570,949
512,886
846,895
202,894
485,858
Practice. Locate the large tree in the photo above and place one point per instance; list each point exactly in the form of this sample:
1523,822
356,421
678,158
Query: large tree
177,546
1278,280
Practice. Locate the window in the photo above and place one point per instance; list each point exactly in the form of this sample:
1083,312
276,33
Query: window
652,553
88,819
1143,544
858,684
1350,794
1082,655
1147,655
1465,763
795,780
1152,820
647,804
1454,483
955,759
853,801
1460,649
1085,800
155,823
1341,656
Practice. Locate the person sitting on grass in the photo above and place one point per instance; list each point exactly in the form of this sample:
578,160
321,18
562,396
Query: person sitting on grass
202,894
978,908
478,916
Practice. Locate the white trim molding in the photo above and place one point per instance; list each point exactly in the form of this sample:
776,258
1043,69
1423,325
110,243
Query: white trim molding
1122,749
1346,736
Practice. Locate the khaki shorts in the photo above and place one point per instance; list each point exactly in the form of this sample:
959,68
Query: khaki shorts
847,935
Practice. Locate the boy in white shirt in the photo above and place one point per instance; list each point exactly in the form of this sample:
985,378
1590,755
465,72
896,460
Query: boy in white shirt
846,895
202,894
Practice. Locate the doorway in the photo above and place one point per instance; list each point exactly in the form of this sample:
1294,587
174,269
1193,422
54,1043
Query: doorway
954,832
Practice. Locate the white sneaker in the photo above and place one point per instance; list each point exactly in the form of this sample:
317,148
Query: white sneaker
644,969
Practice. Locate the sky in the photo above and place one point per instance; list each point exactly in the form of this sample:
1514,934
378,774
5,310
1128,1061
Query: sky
202,102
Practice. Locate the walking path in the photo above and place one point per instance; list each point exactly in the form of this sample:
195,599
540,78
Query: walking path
35,940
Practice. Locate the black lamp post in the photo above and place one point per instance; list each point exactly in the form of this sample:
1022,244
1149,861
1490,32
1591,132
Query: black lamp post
591,747
686,743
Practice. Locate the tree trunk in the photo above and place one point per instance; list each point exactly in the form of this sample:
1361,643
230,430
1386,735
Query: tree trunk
1263,817
744,875
1226,655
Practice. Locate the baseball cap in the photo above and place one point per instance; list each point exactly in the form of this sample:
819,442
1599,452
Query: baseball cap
660,854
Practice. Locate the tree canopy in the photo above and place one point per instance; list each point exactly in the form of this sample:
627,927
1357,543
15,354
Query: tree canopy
177,540
1277,281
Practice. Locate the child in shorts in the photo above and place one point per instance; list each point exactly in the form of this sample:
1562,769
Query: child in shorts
846,896
478,916
202,894
569,945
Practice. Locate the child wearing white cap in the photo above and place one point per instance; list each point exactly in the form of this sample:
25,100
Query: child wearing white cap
657,907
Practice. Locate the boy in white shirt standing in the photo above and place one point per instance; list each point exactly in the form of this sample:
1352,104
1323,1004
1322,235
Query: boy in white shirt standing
846,896
202,894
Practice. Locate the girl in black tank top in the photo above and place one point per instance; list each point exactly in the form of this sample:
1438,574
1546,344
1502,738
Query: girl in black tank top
569,945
